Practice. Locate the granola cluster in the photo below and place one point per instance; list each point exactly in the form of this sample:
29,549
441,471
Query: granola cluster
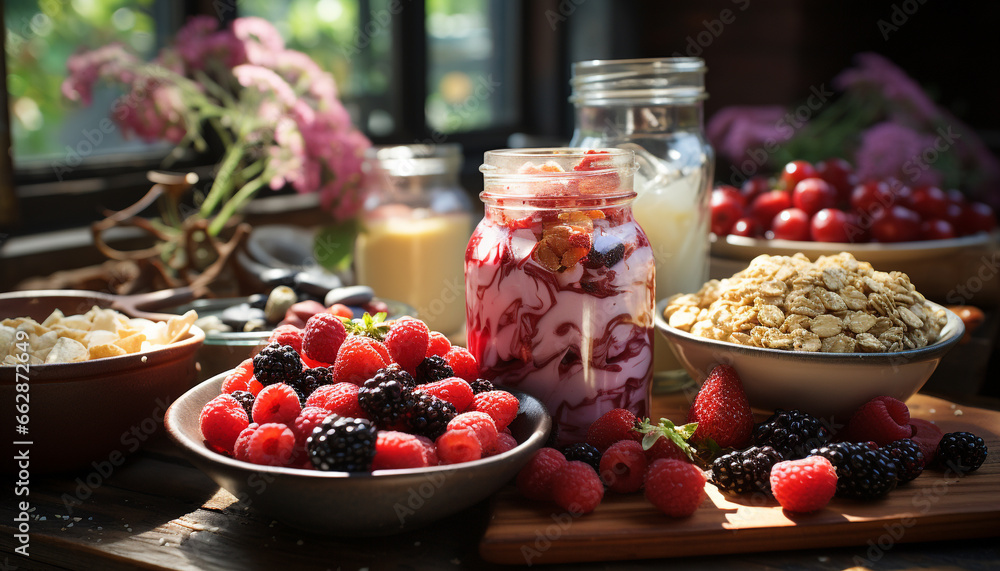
835,305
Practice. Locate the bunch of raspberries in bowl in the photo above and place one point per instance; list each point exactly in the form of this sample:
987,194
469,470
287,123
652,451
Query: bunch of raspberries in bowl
791,459
358,395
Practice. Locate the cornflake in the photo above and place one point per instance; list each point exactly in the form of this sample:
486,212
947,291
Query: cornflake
834,305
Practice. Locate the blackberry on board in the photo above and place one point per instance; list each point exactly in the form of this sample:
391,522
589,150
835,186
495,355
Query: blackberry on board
745,471
961,451
428,415
864,472
276,364
342,444
433,368
245,398
792,433
481,386
584,452
908,458
387,397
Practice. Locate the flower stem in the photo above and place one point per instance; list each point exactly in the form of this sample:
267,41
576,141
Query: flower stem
222,185
234,204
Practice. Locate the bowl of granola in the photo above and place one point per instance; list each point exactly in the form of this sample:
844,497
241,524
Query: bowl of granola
823,336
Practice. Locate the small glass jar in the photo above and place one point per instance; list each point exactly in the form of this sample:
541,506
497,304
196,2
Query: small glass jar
559,284
414,228
654,107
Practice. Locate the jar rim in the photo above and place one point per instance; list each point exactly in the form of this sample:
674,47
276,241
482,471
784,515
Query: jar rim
646,80
415,159
503,176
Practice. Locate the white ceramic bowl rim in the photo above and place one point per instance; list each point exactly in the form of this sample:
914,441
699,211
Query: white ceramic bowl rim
952,332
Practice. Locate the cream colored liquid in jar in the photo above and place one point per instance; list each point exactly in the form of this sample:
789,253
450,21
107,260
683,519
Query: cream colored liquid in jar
417,257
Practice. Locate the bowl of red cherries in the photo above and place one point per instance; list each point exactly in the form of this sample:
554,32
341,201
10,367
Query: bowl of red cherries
823,208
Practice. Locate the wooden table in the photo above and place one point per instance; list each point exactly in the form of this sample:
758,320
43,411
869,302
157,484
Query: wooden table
156,511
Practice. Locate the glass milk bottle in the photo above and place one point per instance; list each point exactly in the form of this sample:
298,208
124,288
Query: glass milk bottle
559,284
654,107
416,223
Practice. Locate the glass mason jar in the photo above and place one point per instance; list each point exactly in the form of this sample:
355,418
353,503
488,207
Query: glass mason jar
654,108
559,283
415,225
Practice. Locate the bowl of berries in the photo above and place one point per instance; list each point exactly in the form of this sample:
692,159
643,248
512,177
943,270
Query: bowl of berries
357,427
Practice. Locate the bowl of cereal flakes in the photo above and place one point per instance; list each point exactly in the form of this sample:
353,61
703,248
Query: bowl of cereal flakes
823,337
89,384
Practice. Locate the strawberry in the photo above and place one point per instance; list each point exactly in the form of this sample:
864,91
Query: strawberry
612,426
357,361
722,410
407,342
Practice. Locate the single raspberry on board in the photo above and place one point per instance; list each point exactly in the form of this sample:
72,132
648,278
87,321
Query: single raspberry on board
462,363
534,481
221,421
323,335
880,420
287,335
623,466
453,389
612,426
357,361
272,444
437,345
577,488
501,405
276,403
398,450
481,424
407,342
457,446
339,398
675,487
239,378
722,410
804,485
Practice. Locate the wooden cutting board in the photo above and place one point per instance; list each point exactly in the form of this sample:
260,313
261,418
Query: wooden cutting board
936,506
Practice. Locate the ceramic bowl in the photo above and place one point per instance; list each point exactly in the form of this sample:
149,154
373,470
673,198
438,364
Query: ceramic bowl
822,384
93,411
347,504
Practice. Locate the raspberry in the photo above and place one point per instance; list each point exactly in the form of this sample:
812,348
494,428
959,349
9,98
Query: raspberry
880,420
908,458
962,452
576,488
612,426
245,398
432,369
804,485
457,446
623,466
272,444
428,415
323,335
674,487
437,345
221,421
430,451
407,342
276,364
254,386
276,403
501,405
664,448
239,378
583,452
242,446
453,389
481,386
303,425
398,450
927,436
357,361
342,444
481,424
287,335
339,398
462,363
504,443
534,481
386,397
722,410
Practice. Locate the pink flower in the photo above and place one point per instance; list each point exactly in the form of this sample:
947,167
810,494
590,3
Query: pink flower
266,82
305,75
260,39
153,110
109,63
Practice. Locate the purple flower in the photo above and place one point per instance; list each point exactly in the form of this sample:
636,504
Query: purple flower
893,150
876,73
734,130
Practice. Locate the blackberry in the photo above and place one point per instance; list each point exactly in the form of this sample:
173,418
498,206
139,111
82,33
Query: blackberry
432,369
745,471
276,364
245,398
387,397
481,386
908,458
863,471
792,433
310,380
429,415
961,451
584,453
342,444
